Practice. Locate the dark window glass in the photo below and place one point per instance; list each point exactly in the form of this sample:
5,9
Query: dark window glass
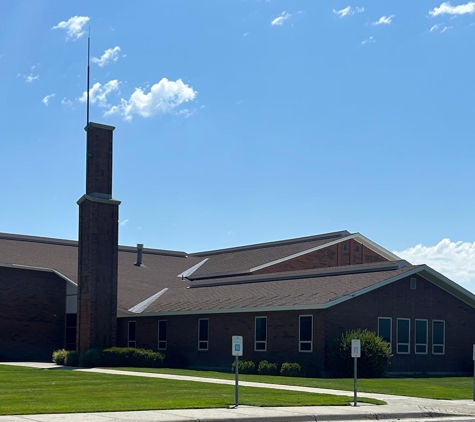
421,332
203,335
261,329
162,330
162,335
306,347
403,331
438,332
357,248
305,328
384,329
132,326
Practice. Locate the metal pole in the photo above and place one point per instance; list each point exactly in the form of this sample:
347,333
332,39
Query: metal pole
355,386
236,395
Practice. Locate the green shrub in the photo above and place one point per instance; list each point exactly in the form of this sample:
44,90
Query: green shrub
290,369
374,358
268,368
90,358
59,356
129,356
72,358
245,367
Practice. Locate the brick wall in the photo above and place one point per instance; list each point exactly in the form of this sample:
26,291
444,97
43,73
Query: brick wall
396,300
427,301
182,337
349,252
32,314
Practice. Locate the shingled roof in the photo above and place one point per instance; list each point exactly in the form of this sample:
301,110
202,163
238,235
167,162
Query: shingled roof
154,288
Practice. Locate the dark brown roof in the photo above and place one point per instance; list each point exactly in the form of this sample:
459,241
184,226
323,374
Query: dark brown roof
242,259
308,291
160,269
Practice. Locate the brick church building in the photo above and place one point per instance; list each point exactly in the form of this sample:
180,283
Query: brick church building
288,299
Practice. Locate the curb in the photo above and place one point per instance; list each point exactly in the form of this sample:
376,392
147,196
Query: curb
340,417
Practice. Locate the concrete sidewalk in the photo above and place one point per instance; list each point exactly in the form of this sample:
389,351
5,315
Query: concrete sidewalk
398,407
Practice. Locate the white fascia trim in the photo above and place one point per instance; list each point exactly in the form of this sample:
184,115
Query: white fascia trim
191,270
375,247
362,239
290,308
140,307
465,295
47,270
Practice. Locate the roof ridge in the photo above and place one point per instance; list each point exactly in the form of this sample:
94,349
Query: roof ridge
68,242
317,272
331,235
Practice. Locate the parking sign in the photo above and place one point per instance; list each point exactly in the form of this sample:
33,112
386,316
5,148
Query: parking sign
237,346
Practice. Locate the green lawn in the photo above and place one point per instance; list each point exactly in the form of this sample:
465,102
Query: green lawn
449,388
30,391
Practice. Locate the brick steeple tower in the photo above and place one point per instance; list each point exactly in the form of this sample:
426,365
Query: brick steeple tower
98,245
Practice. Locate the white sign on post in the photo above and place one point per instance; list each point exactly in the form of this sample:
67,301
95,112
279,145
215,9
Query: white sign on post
355,348
237,345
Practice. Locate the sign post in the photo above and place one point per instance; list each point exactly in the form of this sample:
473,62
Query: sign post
474,372
356,353
237,351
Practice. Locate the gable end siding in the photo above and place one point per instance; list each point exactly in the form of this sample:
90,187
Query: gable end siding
331,256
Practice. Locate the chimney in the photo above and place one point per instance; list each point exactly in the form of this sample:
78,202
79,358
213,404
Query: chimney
98,246
139,254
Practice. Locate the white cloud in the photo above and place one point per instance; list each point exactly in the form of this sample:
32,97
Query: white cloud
67,103
439,27
447,9
164,97
123,223
98,93
46,99
384,20
369,40
455,260
348,11
110,55
281,19
30,78
73,26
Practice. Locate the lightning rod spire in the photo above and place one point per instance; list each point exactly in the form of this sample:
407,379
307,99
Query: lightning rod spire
88,75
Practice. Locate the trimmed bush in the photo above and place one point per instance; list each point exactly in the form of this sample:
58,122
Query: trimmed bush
59,356
268,368
245,367
129,356
72,358
374,358
291,369
90,358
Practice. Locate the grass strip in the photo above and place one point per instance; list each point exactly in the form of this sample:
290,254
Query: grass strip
444,388
33,391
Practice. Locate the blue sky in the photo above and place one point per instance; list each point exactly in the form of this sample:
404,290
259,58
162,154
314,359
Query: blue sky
245,121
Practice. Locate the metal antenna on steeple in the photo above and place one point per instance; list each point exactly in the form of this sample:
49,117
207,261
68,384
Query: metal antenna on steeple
88,75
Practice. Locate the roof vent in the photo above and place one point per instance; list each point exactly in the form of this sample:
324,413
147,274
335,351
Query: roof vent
139,254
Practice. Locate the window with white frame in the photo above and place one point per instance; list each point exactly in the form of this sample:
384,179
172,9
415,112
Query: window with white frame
203,334
260,334
403,336
305,333
438,337
162,334
421,336
132,334
385,330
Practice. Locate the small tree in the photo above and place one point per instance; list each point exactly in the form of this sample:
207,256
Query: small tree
375,355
